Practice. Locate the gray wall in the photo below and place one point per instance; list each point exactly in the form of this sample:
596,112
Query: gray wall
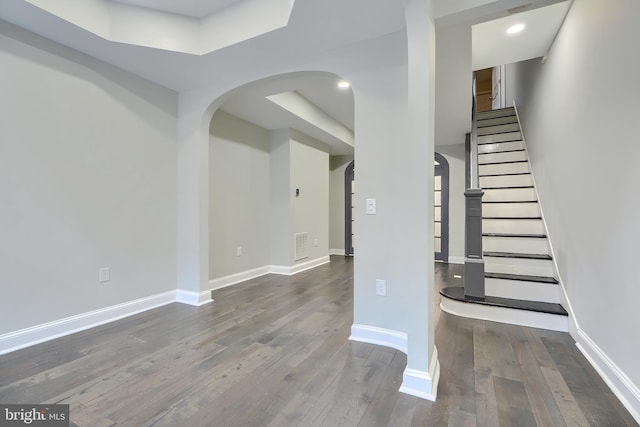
88,179
337,167
239,196
579,112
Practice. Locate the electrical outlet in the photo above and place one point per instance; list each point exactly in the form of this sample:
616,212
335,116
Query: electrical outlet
381,287
104,274
315,243
239,251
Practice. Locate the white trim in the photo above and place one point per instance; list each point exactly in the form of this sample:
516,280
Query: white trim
531,319
193,298
297,268
456,260
420,383
379,336
232,279
337,252
58,328
619,383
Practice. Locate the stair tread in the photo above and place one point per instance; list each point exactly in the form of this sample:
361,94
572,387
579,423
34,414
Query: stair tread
457,293
503,162
499,142
508,187
511,217
536,236
509,201
518,255
504,174
521,277
498,152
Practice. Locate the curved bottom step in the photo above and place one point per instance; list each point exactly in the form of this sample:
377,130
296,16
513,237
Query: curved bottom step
504,310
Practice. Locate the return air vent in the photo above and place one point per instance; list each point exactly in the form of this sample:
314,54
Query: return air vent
302,246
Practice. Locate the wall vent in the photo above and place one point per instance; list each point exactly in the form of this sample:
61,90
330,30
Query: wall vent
302,246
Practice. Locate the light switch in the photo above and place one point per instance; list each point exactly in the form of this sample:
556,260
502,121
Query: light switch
381,287
371,206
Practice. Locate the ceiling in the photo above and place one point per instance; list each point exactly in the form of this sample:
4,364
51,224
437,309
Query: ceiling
192,8
311,26
491,45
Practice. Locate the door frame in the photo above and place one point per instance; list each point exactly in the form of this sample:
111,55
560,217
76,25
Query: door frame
442,170
349,177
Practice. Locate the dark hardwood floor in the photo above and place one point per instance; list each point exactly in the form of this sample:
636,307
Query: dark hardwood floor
274,351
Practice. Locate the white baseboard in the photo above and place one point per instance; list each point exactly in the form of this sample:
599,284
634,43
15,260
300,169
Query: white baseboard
336,252
625,390
456,260
297,268
420,383
379,336
193,298
47,331
414,382
531,319
232,279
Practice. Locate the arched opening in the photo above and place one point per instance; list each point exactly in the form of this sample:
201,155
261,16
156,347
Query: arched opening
270,150
441,208
349,193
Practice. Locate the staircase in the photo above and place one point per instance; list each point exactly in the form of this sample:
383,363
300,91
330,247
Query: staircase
521,283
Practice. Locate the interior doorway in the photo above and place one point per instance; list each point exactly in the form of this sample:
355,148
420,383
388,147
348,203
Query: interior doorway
349,191
441,208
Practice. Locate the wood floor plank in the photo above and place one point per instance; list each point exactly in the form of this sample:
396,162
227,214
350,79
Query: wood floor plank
274,351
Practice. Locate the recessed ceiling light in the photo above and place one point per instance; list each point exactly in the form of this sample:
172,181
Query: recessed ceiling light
343,84
515,28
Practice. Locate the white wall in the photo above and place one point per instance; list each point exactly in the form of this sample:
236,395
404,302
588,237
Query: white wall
88,179
579,114
337,168
310,175
239,196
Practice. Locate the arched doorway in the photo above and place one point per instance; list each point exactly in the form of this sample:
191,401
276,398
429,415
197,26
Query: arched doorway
441,208
349,190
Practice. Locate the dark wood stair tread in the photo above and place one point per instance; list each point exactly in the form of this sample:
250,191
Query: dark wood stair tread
511,217
457,293
521,277
534,236
517,255
510,201
506,187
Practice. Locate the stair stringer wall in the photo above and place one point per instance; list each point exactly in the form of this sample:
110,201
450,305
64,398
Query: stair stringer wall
564,297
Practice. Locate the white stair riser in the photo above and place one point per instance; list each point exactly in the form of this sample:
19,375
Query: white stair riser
500,146
496,113
509,194
504,168
525,266
528,291
506,181
518,210
513,226
497,121
513,156
523,245
512,127
501,137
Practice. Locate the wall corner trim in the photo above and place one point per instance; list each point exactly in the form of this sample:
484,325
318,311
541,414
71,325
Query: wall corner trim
625,390
193,298
379,336
23,338
420,383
